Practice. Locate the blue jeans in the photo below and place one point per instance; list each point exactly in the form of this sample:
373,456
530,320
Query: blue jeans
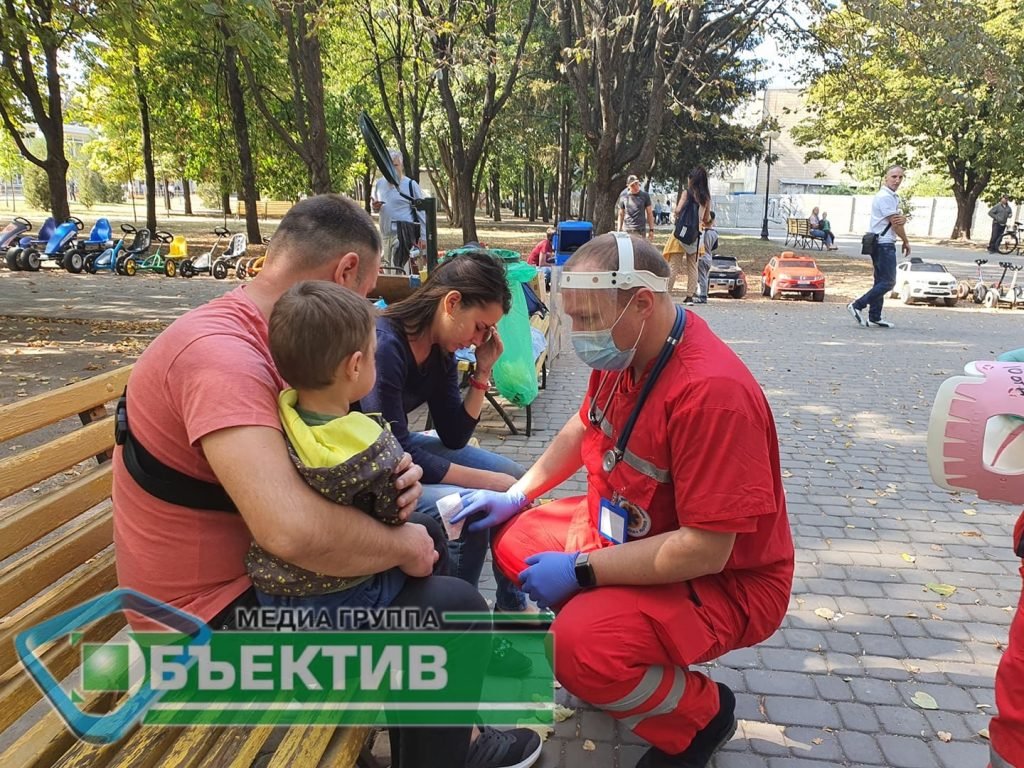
884,261
468,552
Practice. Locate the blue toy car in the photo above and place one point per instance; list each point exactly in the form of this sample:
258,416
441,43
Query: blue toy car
60,243
10,235
39,239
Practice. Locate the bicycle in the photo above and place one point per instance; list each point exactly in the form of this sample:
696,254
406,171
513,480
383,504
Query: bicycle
1010,241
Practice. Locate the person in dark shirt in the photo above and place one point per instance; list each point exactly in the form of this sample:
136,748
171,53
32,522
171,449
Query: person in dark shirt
636,214
458,306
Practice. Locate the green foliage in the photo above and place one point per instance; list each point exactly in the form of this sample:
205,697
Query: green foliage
37,187
925,83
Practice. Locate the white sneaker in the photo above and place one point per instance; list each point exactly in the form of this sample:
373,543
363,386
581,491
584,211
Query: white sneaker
881,324
861,320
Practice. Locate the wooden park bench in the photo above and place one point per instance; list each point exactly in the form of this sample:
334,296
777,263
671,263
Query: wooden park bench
266,209
56,551
800,231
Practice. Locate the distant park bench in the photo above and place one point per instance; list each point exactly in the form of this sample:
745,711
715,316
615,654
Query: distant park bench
800,231
267,209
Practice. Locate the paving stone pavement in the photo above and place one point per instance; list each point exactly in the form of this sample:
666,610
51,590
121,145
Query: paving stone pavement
871,529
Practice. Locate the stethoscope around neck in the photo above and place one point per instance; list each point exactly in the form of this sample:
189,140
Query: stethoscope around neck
614,455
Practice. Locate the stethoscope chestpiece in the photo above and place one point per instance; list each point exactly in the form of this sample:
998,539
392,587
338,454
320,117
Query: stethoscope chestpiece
610,459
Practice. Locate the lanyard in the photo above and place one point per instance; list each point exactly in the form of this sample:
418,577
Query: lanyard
614,455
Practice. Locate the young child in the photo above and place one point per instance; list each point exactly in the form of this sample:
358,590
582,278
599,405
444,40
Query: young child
323,339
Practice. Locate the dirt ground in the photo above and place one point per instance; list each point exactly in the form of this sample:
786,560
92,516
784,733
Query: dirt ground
57,328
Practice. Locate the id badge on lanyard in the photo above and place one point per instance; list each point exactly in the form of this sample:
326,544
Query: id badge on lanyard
612,522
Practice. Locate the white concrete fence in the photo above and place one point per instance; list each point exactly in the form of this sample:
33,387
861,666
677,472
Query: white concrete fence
849,214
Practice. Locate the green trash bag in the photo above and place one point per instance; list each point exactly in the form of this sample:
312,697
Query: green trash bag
515,373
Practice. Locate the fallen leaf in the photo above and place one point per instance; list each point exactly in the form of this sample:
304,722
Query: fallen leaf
983,733
970,512
817,741
872,502
825,613
945,736
909,558
589,746
924,700
971,534
541,730
563,713
943,590
983,706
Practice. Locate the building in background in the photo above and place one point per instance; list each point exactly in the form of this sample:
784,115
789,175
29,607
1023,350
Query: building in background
791,174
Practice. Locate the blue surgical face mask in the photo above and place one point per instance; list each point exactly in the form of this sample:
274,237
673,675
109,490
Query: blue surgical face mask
597,348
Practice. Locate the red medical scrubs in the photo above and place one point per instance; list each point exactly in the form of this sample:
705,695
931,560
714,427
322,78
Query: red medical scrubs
1007,728
704,455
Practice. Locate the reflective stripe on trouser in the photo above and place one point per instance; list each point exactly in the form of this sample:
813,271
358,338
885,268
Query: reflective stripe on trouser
612,653
1007,727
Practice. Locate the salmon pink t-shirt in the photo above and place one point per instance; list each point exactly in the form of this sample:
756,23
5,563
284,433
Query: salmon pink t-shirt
209,370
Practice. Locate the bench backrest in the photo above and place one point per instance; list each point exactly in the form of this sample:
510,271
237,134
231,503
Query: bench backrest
55,522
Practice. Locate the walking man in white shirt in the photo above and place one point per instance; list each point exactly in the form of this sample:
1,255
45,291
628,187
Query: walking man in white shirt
401,227
886,222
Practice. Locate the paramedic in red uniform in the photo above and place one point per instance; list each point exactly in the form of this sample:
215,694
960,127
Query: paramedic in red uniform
1007,727
681,550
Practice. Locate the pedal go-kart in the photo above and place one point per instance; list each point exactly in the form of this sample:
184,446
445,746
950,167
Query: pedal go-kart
210,263
251,267
10,235
38,240
60,243
121,258
100,238
156,261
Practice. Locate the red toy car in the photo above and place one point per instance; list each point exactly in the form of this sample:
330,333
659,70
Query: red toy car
788,273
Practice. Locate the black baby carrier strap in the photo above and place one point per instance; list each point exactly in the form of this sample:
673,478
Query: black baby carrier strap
161,481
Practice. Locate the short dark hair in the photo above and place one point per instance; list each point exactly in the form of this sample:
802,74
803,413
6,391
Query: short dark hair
314,326
475,274
323,227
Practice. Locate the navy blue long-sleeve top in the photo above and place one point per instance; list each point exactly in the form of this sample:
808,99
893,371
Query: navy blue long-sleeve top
403,386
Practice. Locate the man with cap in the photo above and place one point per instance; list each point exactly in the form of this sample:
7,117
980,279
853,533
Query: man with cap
636,214
681,550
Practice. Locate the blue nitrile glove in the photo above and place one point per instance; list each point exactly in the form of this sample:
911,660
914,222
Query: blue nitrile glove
1013,356
498,506
551,578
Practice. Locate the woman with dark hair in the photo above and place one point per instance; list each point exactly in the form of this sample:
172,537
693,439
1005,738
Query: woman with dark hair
458,306
696,193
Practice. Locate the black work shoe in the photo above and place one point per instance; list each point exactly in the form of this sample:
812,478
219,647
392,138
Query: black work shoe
515,748
707,741
506,661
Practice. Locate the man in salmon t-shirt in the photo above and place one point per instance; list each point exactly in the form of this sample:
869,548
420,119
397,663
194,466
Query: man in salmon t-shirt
202,407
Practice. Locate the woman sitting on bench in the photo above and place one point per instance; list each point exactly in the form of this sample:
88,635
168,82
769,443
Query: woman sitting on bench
458,306
821,229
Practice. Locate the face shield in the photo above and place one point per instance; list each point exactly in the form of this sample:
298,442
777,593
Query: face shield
596,301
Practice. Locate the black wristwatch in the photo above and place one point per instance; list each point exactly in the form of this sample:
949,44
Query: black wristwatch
585,571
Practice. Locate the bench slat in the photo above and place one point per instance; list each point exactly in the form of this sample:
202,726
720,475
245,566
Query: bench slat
345,746
301,746
191,748
26,415
25,469
44,565
32,521
96,576
139,750
239,749
18,692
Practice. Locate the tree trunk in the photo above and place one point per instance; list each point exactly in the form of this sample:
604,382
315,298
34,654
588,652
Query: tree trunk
240,124
147,146
967,188
564,199
367,191
225,201
495,194
531,201
542,199
57,176
186,193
